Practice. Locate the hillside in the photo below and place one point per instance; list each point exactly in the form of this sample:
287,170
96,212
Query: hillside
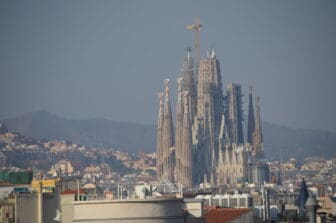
94,132
278,141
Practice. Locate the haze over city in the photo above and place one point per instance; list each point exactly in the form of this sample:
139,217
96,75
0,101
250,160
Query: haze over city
167,111
89,59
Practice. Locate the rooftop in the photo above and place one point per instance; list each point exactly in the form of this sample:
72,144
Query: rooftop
223,215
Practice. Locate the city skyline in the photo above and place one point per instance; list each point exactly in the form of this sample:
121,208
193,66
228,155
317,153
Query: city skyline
73,60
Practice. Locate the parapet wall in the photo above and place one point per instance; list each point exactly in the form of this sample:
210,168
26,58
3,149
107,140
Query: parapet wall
147,210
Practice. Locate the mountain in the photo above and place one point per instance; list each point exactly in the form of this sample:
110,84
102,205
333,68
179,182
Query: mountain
279,142
93,132
285,142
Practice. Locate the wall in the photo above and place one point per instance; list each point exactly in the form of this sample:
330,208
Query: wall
162,210
194,208
245,218
50,205
67,207
26,208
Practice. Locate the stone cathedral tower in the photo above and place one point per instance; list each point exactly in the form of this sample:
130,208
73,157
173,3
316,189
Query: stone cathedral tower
257,139
235,113
189,83
165,138
185,171
209,147
179,133
159,160
251,119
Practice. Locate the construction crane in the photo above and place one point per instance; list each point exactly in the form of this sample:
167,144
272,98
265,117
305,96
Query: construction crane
196,27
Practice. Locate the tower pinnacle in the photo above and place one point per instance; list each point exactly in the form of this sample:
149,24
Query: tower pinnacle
251,118
159,134
167,136
166,83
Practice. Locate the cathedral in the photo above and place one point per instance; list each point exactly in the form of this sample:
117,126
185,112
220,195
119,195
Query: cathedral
206,143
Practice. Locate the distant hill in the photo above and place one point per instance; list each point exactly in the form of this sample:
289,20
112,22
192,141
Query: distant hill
93,132
288,142
278,141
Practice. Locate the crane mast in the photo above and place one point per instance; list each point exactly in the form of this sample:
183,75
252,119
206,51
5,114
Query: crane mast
196,27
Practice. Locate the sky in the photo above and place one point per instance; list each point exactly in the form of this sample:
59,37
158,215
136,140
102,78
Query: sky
85,59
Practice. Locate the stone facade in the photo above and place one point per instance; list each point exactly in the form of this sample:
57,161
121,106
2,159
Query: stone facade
209,145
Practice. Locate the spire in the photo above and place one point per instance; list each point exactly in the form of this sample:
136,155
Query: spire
188,54
210,91
168,135
213,55
303,196
179,89
159,152
189,83
257,140
179,136
223,134
186,153
160,118
257,137
166,83
207,143
258,121
235,113
220,157
311,205
251,120
186,121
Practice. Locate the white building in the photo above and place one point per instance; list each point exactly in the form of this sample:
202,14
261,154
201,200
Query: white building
235,200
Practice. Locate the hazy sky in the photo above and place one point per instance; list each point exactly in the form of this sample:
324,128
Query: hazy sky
86,59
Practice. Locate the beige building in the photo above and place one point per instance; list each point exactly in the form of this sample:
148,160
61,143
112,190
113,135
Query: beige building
158,210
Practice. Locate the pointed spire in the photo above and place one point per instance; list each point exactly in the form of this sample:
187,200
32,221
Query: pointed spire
166,83
258,121
222,128
160,119
303,196
186,105
179,96
189,83
187,146
220,157
213,55
251,119
188,62
207,143
159,152
168,136
179,136
223,133
235,113
257,135
257,140
179,89
167,117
